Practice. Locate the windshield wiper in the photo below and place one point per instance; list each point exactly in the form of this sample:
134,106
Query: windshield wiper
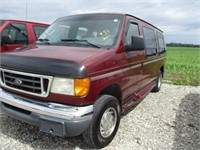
46,41
76,40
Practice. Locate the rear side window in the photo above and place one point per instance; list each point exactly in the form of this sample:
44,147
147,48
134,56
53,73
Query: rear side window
17,33
38,30
150,41
161,42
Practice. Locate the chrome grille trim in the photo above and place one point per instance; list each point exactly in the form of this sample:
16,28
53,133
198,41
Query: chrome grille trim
33,84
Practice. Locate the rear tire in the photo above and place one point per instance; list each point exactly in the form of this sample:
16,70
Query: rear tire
158,83
105,122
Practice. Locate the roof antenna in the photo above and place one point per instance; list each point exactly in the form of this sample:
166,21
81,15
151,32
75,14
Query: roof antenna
26,11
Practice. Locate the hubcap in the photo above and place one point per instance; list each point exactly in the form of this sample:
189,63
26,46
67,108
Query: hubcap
108,122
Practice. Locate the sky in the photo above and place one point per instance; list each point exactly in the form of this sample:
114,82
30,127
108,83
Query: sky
178,19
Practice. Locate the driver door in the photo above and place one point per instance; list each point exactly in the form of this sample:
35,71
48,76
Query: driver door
133,58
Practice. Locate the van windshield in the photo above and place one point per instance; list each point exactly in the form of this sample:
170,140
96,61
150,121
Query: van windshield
97,30
1,22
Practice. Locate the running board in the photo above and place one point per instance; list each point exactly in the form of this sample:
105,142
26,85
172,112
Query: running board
136,98
146,90
130,104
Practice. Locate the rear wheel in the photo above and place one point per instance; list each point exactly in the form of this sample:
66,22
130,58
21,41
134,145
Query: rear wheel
158,83
105,122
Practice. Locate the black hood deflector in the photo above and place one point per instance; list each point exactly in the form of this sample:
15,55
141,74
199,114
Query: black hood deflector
44,66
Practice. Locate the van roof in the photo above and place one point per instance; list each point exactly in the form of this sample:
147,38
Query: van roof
145,22
115,14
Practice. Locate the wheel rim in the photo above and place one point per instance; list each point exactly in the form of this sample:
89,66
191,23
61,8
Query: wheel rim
108,122
159,81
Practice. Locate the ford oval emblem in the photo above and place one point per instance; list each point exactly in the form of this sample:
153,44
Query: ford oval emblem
18,81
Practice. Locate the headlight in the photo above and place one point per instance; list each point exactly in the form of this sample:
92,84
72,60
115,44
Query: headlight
74,87
63,86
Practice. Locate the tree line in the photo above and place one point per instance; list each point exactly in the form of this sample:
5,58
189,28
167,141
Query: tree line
182,45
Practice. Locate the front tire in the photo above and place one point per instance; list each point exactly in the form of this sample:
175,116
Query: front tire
105,122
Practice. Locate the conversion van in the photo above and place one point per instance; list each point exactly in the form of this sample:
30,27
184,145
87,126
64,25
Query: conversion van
17,34
82,74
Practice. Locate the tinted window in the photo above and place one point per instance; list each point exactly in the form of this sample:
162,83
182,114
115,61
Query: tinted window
132,31
17,33
38,30
161,42
150,41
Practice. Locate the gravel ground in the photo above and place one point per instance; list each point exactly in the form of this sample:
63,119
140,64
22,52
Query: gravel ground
166,120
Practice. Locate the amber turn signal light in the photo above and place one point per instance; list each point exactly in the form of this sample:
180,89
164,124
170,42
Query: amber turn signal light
81,86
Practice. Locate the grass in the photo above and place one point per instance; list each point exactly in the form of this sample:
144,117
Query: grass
183,66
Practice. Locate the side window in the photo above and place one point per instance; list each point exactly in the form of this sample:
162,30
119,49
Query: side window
161,42
17,33
132,31
38,30
150,41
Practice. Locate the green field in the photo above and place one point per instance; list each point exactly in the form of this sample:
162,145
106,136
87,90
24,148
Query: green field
183,66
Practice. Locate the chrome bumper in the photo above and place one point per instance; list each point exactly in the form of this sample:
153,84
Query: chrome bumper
59,111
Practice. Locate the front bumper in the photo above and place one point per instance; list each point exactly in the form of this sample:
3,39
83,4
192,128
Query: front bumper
53,118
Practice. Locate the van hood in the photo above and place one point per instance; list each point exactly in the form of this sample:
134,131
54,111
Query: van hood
77,54
49,60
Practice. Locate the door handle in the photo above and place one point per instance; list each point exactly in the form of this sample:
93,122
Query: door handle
142,66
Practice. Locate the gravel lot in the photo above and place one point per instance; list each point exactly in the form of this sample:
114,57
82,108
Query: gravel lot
169,119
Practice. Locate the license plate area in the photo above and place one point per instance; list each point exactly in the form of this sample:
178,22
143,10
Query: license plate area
52,127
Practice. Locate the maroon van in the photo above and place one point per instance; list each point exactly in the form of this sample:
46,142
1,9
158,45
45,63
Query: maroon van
82,73
16,34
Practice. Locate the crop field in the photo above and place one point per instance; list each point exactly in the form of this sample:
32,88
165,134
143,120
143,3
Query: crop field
183,66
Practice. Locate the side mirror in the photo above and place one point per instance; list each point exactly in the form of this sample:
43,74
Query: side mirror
6,39
137,44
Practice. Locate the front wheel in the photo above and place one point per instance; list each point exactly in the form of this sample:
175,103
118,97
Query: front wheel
105,122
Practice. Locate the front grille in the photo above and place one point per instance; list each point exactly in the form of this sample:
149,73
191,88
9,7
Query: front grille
26,82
